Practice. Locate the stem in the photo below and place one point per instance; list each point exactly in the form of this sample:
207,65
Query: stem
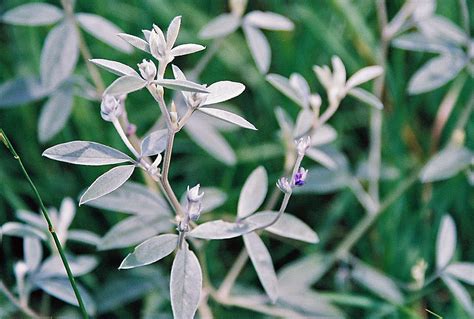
51,229
465,19
124,137
24,308
164,176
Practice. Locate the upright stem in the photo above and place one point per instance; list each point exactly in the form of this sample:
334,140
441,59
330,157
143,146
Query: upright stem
44,211
164,176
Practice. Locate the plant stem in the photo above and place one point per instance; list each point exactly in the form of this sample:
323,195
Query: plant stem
124,137
164,176
51,229
25,309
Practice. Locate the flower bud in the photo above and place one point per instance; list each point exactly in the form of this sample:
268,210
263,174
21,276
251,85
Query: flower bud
194,207
110,108
131,129
147,70
300,177
302,145
196,99
284,185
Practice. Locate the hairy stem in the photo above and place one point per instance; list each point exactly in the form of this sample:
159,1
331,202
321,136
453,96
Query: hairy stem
51,229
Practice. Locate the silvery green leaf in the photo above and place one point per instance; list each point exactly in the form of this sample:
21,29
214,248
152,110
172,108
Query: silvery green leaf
460,293
32,252
86,153
33,219
211,141
417,41
387,172
303,273
339,71
103,30
150,251
133,198
185,49
269,21
301,87
310,303
66,215
173,31
185,284
287,226
219,229
424,9
321,157
33,14
283,85
253,192
323,181
125,84
364,75
462,270
220,26
446,163
135,41
154,143
55,113
20,230
304,122
284,121
222,91
228,117
83,236
115,67
259,47
134,230
61,288
107,182
376,282
59,55
262,262
439,27
84,89
54,267
20,91
437,72
366,97
445,242
182,85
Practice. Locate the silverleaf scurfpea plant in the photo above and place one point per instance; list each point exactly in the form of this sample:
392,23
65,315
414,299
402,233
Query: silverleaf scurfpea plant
179,229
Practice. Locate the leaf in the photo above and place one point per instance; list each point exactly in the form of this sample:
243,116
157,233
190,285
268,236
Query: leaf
54,267
262,262
445,242
283,85
220,26
446,163
55,113
61,288
86,153
321,157
150,251
323,181
287,226
364,75
303,273
463,271
83,236
21,91
59,55
377,282
228,117
155,143
21,230
115,67
436,72
135,41
304,122
310,303
213,198
366,97
134,230
172,32
33,219
417,41
269,21
33,14
259,47
185,49
461,294
33,252
107,182
125,84
181,85
133,198
185,284
253,192
219,229
103,30
66,215
439,27
222,91
301,87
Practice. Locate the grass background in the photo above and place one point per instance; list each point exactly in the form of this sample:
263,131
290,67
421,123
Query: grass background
323,28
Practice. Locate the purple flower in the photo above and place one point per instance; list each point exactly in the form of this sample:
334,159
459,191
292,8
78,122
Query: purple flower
300,176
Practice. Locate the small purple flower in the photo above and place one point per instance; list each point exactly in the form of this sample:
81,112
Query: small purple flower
300,176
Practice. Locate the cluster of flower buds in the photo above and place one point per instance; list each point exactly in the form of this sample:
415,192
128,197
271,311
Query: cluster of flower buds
196,99
194,205
147,70
111,108
302,145
286,185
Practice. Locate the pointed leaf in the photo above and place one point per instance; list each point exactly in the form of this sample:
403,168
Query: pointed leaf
228,117
154,143
366,97
262,262
115,67
269,21
321,157
103,30
135,41
86,153
219,229
446,163
125,84
107,182
283,85
220,26
222,91
21,230
33,252
150,251
185,284
303,273
253,192
54,267
364,75
20,91
460,293
417,41
33,14
185,49
445,242
259,47
172,32
83,236
182,85
463,271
